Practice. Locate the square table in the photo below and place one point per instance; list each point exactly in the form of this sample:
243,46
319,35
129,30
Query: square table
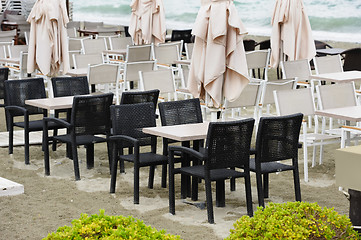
338,77
330,51
52,103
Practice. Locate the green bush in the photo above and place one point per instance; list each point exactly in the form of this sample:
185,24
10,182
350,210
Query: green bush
294,220
108,227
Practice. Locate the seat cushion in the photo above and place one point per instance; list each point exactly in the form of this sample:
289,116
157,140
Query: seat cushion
216,174
37,125
146,159
270,167
80,140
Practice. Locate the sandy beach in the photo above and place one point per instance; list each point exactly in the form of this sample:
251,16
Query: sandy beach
53,201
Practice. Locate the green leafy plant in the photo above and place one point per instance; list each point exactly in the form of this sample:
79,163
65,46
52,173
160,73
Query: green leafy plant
108,228
294,220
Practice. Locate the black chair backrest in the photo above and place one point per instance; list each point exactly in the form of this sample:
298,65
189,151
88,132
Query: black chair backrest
91,114
180,112
352,59
126,28
321,45
4,74
17,91
228,143
185,35
249,44
140,97
277,137
266,44
70,86
129,119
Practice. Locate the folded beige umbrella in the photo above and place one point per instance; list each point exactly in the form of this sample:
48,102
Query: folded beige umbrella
218,66
48,43
291,32
147,22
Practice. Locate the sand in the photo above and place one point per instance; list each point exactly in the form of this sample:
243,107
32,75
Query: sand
53,201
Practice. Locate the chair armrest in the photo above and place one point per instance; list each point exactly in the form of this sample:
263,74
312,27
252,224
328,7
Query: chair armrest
58,121
15,108
189,151
131,140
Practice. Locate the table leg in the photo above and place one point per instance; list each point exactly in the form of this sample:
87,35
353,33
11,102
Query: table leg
194,179
185,180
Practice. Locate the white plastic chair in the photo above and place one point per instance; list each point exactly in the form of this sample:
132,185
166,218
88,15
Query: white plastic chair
83,60
131,72
91,46
258,60
302,101
299,69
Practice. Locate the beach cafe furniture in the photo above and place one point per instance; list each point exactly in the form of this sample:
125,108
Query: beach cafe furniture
328,64
258,60
90,117
16,94
302,101
127,122
277,140
227,148
351,59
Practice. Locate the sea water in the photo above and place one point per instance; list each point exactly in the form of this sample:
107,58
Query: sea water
338,20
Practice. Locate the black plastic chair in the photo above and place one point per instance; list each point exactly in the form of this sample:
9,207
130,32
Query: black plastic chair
352,59
4,74
227,148
127,122
90,117
16,92
185,35
68,86
277,140
266,44
249,44
176,113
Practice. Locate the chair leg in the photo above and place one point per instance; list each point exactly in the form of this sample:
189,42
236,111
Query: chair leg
247,180
259,189
171,188
46,152
296,179
305,162
136,184
265,185
26,146
233,183
90,156
209,200
164,175
113,178
75,161
55,133
11,138
220,193
151,177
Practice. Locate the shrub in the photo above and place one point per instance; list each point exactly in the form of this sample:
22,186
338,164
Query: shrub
294,220
108,227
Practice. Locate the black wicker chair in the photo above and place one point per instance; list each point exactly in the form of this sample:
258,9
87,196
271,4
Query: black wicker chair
4,74
90,117
176,113
249,44
127,122
227,148
351,59
277,140
266,44
68,86
131,97
16,92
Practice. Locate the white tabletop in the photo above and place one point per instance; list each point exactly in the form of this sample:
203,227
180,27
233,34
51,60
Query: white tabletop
348,76
345,113
52,103
184,132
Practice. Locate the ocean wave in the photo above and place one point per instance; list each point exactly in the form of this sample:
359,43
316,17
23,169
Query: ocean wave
106,9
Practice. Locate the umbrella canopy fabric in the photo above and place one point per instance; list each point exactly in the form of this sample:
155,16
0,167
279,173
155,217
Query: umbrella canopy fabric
291,32
147,22
218,65
48,43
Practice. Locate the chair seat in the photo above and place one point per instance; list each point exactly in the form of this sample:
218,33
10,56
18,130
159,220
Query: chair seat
80,140
146,159
216,174
270,167
37,125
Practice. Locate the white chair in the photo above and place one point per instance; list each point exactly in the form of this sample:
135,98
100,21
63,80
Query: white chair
299,69
163,80
105,77
83,60
267,98
72,32
120,42
328,64
166,54
189,50
336,96
249,98
91,46
131,72
8,36
302,101
14,50
140,53
92,25
258,60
